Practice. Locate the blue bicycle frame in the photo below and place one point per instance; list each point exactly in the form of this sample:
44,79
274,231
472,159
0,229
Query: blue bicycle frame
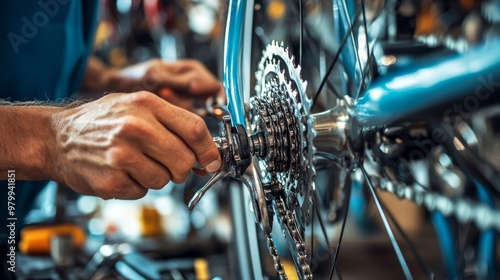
232,61
424,91
470,79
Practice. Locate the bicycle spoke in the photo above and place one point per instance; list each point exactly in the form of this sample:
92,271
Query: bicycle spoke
421,185
330,85
335,91
337,249
312,233
301,32
363,77
366,28
339,275
367,38
395,245
368,54
355,42
335,59
323,229
423,264
314,50
366,67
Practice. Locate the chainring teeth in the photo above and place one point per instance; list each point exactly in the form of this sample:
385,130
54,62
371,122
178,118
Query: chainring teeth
278,66
282,108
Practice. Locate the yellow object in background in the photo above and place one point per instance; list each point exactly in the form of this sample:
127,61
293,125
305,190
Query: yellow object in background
150,221
103,32
201,269
35,240
290,270
276,9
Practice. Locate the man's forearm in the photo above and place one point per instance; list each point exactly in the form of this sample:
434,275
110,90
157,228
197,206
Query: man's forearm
27,141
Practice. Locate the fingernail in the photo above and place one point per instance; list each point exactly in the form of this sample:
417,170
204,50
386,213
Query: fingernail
213,166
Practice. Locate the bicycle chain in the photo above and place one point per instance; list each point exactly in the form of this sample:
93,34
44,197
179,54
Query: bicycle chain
278,265
282,104
464,210
288,220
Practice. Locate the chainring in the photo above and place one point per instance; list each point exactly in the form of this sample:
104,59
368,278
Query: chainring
280,108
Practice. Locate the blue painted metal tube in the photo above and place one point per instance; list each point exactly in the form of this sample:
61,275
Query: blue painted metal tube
447,241
466,79
487,257
232,60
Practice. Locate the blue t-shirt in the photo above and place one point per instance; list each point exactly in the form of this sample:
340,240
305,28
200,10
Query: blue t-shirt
44,48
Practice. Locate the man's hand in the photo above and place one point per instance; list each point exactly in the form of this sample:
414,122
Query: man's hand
184,77
177,82
124,144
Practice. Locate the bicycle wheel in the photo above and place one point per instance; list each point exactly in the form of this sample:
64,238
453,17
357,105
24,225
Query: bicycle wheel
319,125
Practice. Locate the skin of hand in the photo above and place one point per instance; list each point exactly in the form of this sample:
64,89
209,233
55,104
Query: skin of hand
121,145
177,82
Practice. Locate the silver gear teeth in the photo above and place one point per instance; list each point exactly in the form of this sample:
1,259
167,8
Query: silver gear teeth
283,107
269,64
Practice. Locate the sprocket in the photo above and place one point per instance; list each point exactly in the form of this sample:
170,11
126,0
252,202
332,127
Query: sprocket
280,109
278,80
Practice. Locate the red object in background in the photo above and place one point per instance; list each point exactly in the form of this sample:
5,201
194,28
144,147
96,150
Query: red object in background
176,99
160,14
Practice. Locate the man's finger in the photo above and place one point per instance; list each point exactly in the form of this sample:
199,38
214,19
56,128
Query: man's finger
167,148
149,173
193,131
193,82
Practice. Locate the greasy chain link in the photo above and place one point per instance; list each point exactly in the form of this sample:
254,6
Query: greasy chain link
278,265
299,244
286,217
463,209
